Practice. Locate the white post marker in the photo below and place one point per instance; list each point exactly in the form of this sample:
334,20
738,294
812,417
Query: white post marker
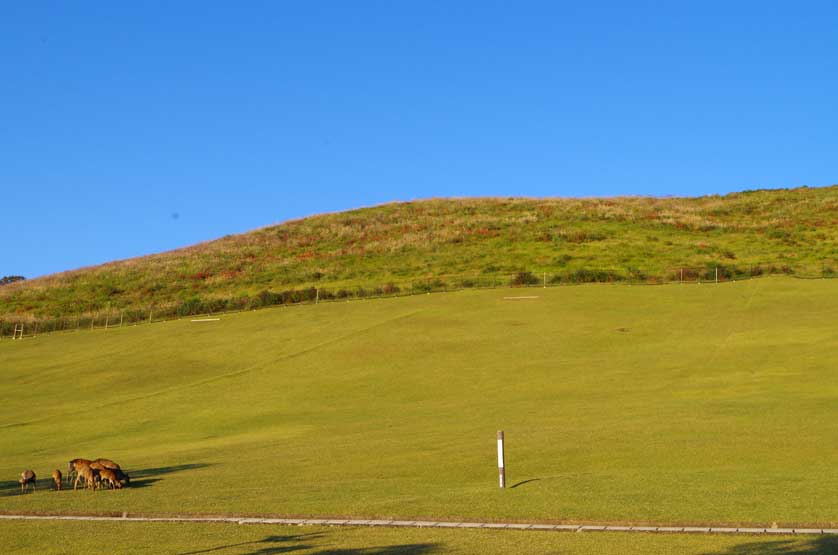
501,470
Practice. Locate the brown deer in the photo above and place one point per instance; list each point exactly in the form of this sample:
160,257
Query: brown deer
56,479
109,477
27,477
107,463
97,466
73,468
122,477
88,474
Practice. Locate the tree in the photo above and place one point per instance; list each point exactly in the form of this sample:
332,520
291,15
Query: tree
10,279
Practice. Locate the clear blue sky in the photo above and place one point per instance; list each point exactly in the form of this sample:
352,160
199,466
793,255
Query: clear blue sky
128,128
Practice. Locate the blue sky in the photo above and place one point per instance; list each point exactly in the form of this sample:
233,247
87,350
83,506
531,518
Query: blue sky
137,128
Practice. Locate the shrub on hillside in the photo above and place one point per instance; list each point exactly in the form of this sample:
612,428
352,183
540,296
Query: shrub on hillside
215,305
426,286
524,278
581,236
562,260
390,289
190,306
10,279
584,275
636,274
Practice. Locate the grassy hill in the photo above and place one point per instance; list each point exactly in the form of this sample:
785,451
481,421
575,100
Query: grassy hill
680,403
453,243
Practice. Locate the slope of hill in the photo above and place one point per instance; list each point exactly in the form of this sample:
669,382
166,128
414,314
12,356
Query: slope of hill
429,244
671,404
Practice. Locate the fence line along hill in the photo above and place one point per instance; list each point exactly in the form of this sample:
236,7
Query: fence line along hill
439,243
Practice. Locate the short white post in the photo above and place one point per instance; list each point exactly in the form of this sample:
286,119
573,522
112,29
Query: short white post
717,274
501,469
317,298
545,280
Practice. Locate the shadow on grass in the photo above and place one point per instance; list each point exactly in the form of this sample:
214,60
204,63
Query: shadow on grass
140,478
162,470
273,545
146,477
406,549
822,545
10,488
522,482
142,482
268,540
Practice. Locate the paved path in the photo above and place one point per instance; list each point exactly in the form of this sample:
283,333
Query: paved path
438,524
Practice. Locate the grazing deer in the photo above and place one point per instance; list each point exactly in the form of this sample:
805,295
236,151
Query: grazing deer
107,463
56,479
73,468
97,466
122,477
27,477
88,474
109,477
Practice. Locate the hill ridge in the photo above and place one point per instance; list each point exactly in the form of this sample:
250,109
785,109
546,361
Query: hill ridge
457,242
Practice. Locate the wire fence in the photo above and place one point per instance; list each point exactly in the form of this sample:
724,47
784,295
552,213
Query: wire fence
23,326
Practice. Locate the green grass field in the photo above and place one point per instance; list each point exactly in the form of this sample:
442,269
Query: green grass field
59,538
687,404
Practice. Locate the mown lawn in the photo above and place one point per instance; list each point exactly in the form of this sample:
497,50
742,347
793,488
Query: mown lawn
48,538
678,403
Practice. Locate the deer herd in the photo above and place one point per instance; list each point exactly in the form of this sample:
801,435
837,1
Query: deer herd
95,474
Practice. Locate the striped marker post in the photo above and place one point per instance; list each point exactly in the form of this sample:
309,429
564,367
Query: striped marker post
501,469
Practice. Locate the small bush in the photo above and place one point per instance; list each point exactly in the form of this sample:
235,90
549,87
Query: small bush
581,236
524,278
584,275
390,289
562,260
215,305
189,307
636,274
428,285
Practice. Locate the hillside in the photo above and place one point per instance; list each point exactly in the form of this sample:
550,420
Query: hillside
454,243
670,404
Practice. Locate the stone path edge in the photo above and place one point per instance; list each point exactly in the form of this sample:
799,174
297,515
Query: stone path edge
438,524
